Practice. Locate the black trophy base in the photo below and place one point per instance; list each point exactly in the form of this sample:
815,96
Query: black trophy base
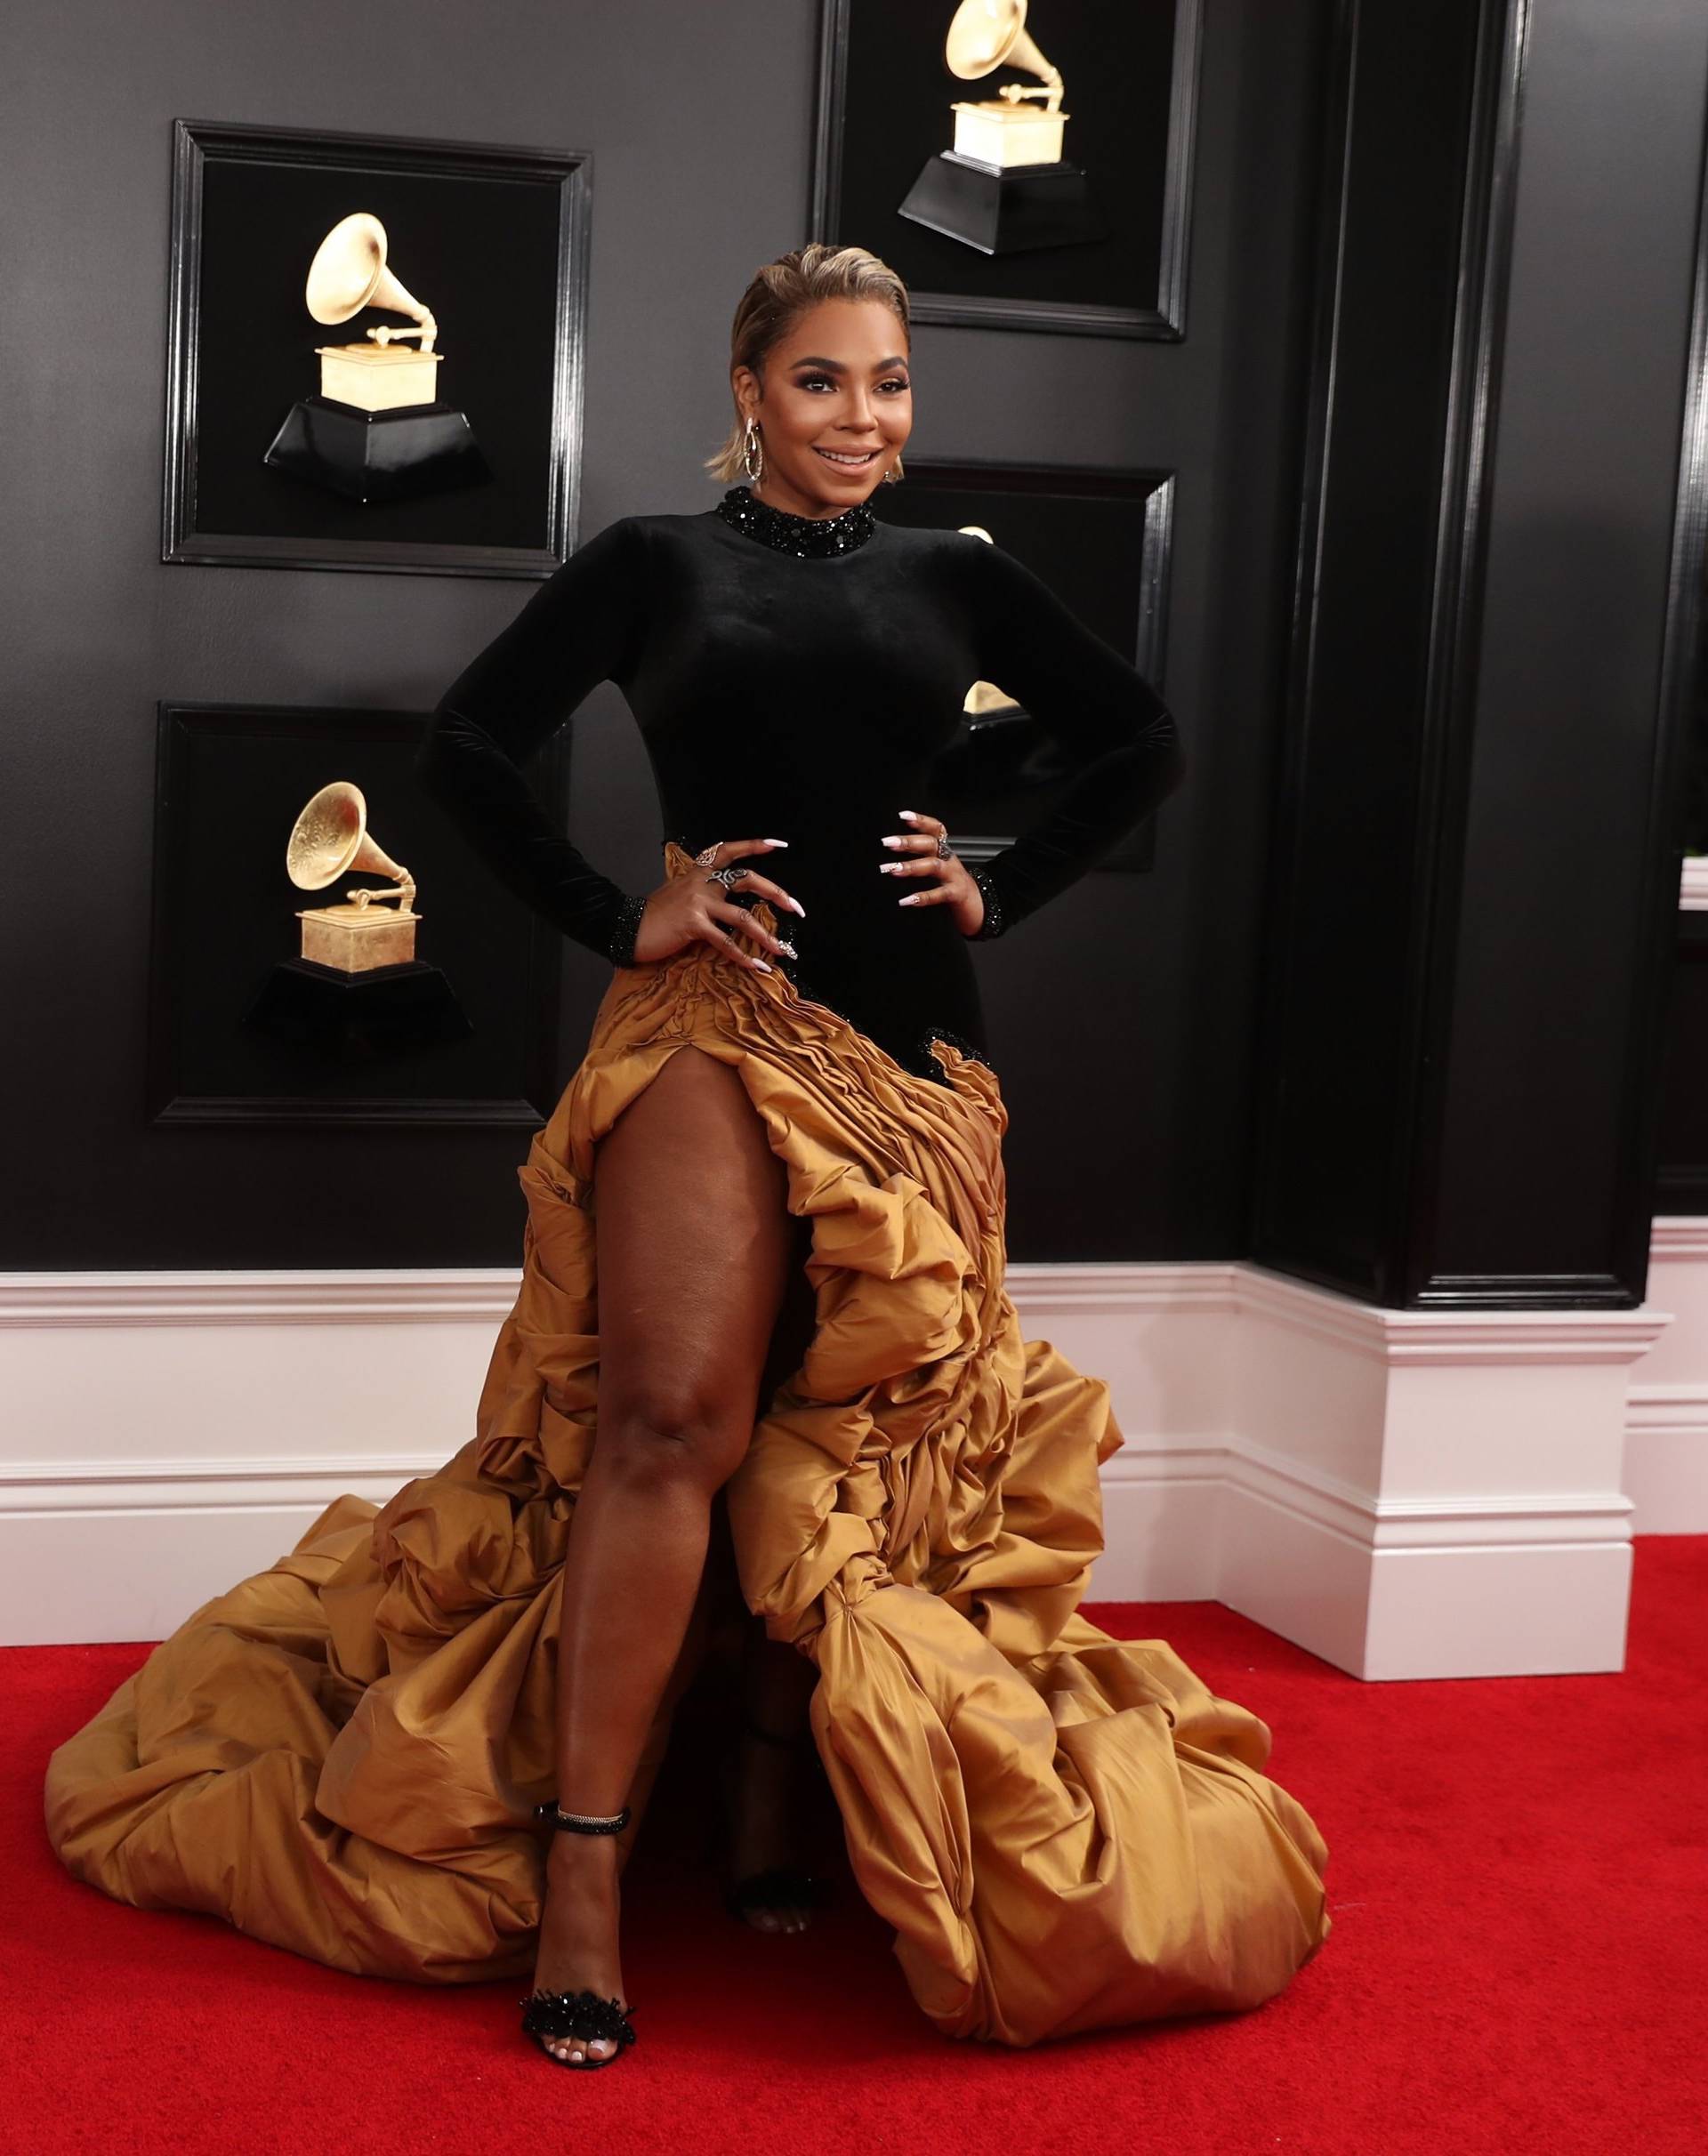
1002,211
358,1017
378,457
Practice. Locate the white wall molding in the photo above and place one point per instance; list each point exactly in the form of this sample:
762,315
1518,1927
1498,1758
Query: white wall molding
1666,1436
398,1295
1406,1492
107,1485
1676,1236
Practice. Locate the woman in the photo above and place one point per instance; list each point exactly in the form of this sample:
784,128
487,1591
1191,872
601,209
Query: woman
763,1265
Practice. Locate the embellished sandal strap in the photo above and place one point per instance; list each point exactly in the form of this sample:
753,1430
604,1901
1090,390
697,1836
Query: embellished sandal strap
576,2014
581,1822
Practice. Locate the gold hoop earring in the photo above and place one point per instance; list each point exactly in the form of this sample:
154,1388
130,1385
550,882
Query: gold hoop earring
753,453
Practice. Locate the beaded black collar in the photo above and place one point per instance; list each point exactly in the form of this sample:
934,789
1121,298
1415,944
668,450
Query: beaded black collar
809,536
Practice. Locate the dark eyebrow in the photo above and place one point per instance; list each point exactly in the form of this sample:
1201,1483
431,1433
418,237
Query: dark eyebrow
836,367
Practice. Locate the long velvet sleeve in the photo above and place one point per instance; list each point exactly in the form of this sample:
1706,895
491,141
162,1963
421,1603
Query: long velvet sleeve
1119,734
582,626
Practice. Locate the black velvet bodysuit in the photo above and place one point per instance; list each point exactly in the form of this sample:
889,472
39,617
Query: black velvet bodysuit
804,696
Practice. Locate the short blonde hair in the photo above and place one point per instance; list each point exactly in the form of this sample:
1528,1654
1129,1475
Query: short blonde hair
782,292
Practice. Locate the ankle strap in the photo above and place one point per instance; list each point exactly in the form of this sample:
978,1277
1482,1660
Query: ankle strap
581,1822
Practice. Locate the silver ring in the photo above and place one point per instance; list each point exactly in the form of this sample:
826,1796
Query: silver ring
945,851
729,877
709,855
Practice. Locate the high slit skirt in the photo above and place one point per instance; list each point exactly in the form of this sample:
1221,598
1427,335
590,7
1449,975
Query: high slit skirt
1066,1831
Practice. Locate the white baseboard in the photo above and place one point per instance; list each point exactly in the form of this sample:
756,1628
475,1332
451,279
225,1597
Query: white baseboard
1666,1435
1406,1494
166,1434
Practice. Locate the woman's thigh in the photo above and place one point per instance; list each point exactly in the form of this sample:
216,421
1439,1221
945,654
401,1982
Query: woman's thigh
694,1244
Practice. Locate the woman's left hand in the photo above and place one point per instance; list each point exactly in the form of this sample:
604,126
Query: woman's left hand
943,878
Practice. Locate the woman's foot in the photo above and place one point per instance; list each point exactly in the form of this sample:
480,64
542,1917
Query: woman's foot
764,1782
578,1933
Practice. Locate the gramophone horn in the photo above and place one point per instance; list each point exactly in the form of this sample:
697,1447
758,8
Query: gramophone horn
330,838
987,34
348,273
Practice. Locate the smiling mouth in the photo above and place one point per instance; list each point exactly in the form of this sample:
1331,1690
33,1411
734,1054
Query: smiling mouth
849,460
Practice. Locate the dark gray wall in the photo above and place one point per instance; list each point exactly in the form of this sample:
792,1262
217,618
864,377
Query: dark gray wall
1122,1019
1477,886
1551,1046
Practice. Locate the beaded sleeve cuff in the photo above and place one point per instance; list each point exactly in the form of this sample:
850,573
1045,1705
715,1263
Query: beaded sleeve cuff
992,923
620,950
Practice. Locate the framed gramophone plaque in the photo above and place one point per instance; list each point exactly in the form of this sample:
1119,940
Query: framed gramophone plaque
1102,542
374,352
1022,164
325,950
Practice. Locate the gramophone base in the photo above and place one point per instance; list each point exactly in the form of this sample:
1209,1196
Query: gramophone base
378,457
1002,211
358,1017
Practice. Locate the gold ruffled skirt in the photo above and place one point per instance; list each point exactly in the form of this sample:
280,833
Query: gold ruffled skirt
1068,1832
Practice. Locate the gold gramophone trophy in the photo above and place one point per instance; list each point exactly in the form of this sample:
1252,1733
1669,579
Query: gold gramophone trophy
984,700
1005,186
983,766
377,432
356,989
331,839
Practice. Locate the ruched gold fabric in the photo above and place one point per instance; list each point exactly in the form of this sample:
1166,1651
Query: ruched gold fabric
1066,1831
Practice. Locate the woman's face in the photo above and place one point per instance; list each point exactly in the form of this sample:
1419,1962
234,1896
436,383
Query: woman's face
839,383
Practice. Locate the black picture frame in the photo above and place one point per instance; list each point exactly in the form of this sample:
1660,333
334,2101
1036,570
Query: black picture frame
1131,73
1103,542
1679,1144
493,237
230,781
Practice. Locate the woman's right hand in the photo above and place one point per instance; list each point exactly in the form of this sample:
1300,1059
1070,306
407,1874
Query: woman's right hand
695,909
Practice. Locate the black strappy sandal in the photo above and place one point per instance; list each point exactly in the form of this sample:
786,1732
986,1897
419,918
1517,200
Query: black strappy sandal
582,2015
779,1885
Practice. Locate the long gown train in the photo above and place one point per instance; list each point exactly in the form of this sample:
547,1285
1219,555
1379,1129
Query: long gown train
1068,1832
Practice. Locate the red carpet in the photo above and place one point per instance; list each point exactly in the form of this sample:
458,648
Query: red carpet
1517,1876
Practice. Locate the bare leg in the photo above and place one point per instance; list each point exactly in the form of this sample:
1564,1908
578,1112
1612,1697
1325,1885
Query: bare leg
693,1243
770,1780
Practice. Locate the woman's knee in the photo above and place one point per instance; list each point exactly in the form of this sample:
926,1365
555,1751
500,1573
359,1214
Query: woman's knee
694,1237
665,1432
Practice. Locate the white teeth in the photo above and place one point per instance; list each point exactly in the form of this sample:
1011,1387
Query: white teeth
839,456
